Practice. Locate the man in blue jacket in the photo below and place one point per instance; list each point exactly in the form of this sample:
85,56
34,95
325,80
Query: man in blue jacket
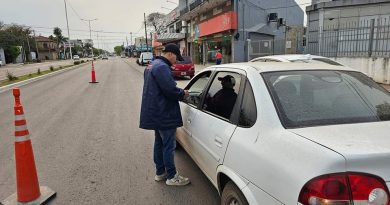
160,112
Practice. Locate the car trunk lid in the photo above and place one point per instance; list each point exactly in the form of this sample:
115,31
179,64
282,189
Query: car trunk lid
365,146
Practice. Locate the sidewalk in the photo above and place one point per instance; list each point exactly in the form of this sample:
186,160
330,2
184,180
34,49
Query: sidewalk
200,67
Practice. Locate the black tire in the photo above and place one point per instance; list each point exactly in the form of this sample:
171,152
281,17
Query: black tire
231,194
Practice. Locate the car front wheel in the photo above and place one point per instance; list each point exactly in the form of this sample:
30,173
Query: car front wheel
232,195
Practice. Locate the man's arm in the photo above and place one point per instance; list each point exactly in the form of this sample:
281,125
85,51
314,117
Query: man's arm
167,84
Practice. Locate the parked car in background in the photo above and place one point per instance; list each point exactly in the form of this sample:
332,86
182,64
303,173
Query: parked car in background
104,57
289,133
296,58
76,57
184,68
123,55
145,58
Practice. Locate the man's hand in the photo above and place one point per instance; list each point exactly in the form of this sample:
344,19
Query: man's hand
186,93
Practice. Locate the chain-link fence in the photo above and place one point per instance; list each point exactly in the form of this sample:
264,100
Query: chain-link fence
366,38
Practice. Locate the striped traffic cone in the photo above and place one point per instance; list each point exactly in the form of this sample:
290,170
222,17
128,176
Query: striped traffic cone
28,190
93,74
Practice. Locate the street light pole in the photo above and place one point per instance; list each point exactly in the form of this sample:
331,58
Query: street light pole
90,35
67,25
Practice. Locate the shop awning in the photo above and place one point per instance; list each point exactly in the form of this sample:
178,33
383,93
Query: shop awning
261,28
170,37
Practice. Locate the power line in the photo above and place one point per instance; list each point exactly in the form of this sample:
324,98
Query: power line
43,27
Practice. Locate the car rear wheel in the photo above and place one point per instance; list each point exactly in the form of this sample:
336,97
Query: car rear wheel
232,195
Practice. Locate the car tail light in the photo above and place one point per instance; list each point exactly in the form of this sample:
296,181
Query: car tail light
192,67
345,189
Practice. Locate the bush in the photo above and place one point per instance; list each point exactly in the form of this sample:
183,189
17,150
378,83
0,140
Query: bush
39,71
82,61
51,68
76,63
11,76
30,75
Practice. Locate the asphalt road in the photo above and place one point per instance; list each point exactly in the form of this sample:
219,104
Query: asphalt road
87,144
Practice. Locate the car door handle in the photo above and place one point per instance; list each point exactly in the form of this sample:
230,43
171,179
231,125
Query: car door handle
189,121
218,141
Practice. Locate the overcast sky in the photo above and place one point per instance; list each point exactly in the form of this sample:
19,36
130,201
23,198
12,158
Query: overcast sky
116,18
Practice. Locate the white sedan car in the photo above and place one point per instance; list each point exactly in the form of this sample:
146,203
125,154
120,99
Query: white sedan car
297,58
289,133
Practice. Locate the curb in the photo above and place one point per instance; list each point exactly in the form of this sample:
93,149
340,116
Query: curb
25,82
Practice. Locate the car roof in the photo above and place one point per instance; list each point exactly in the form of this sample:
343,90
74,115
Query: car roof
281,66
290,57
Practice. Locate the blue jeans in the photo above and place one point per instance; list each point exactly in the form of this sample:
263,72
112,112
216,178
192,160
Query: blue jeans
218,61
164,151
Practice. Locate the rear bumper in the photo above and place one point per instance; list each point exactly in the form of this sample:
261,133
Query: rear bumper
179,73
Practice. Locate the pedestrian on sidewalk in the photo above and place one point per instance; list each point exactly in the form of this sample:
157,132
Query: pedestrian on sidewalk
160,112
218,57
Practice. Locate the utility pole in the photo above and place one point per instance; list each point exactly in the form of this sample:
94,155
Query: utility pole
151,40
146,34
67,25
90,35
127,46
29,49
36,45
97,35
131,43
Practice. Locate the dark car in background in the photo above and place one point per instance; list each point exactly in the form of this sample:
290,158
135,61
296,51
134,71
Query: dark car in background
184,68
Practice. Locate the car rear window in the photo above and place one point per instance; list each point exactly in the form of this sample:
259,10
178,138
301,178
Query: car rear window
323,97
187,60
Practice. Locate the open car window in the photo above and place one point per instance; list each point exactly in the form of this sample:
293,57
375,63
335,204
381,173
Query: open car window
196,88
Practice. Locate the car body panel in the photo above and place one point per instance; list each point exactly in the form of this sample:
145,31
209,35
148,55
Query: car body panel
145,58
184,68
296,58
257,196
278,162
366,146
181,70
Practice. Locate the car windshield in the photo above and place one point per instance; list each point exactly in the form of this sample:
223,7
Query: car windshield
323,97
187,60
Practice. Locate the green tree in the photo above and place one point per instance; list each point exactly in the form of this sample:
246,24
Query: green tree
58,37
13,52
119,49
12,36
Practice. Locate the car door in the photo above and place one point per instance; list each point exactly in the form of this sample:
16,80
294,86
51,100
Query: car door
212,125
189,108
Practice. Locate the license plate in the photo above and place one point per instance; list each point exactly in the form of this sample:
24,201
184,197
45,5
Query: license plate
183,73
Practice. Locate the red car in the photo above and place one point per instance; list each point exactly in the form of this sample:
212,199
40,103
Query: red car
184,68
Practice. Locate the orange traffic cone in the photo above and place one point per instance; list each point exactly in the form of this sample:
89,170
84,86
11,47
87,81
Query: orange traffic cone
93,74
28,190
